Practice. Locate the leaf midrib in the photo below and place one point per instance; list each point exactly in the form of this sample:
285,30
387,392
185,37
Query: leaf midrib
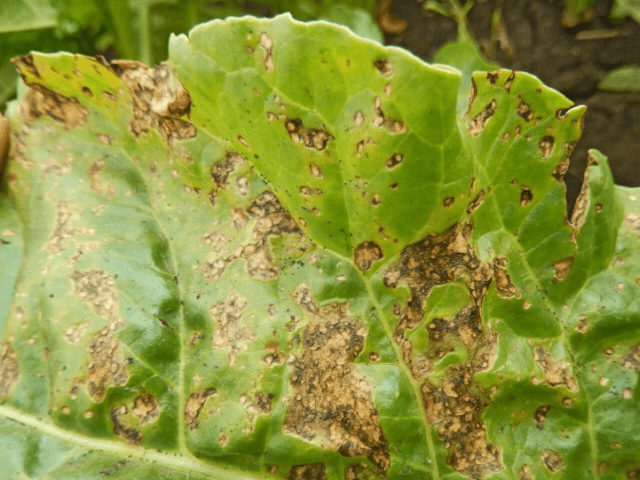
187,464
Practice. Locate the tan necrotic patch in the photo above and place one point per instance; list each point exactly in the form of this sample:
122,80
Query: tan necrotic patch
366,254
552,460
267,45
379,120
331,397
271,220
546,146
230,333
120,428
97,288
632,359
146,408
63,228
159,100
106,364
9,370
221,170
455,403
66,111
555,372
194,404
312,471
310,137
476,126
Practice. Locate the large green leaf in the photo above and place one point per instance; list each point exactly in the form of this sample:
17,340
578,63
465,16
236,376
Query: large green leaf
297,262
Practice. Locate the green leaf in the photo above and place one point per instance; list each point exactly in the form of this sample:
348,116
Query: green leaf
466,57
622,79
17,15
284,255
626,8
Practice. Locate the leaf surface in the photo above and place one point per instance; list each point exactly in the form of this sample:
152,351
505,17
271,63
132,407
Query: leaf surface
284,255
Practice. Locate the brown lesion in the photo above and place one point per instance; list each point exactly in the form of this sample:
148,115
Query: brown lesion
476,126
63,228
556,372
194,405
456,403
230,333
107,365
97,288
631,359
366,254
130,434
41,101
309,137
311,471
9,369
159,101
271,220
562,268
552,460
379,119
331,397
384,67
146,408
221,170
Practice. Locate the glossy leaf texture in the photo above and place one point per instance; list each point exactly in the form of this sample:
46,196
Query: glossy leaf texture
284,255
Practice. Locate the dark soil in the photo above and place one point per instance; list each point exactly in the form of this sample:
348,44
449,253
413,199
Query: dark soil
563,59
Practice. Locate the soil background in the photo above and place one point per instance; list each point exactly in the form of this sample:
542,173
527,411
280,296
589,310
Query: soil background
571,60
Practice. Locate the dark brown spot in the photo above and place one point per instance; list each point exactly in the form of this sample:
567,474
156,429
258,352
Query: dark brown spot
524,111
384,67
476,126
476,202
310,137
194,404
312,471
447,202
130,434
562,268
395,160
9,370
546,146
509,82
492,77
525,196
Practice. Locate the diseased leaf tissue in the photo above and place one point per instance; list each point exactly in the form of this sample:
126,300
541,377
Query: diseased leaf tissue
283,255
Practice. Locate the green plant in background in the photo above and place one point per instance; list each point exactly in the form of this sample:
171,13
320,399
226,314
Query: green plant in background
139,29
577,11
296,260
463,53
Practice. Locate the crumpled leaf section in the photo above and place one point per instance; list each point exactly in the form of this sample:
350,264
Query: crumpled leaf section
283,254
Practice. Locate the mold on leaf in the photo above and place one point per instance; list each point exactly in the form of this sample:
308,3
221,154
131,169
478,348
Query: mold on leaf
331,398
